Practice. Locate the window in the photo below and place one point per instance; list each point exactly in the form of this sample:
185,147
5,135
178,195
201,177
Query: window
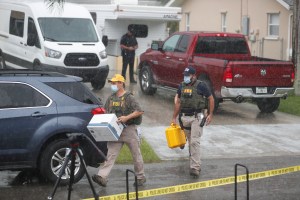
32,32
273,24
187,21
16,95
16,23
170,44
68,29
221,45
140,30
223,22
94,16
183,44
75,90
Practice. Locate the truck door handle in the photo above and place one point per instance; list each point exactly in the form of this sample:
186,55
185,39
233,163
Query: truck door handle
168,57
38,114
180,59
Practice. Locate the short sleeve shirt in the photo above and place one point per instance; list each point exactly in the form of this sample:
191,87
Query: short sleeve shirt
129,101
128,41
202,89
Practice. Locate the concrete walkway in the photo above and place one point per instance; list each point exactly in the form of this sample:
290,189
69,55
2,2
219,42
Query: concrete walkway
229,141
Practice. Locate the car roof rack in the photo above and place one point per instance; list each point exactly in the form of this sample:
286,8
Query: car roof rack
25,72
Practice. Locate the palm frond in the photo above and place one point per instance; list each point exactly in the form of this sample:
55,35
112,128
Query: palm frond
51,3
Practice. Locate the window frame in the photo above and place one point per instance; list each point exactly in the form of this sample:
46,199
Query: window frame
269,34
13,20
224,22
183,41
187,21
139,31
169,39
34,89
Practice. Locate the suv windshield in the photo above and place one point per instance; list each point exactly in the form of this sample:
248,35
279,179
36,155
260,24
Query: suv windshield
75,90
68,30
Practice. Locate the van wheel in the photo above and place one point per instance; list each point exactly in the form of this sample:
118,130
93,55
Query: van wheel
52,159
268,105
37,65
2,61
98,85
146,81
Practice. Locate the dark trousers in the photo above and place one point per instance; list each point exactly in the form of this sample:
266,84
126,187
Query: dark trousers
128,60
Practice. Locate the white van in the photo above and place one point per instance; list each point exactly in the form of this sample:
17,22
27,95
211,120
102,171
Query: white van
59,38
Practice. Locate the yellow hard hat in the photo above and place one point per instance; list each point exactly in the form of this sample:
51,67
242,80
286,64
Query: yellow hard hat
117,78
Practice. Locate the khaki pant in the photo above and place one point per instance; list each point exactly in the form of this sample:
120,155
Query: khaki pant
130,138
193,137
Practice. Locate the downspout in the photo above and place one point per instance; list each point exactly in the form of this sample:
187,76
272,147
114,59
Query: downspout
289,38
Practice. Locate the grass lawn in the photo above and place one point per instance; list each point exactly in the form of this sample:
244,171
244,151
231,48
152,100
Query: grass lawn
291,105
148,154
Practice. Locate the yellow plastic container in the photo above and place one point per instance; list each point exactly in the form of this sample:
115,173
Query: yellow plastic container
175,136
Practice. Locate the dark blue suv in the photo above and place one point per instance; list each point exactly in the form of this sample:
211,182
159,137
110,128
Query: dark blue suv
37,111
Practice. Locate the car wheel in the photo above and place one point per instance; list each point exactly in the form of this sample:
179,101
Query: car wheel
146,81
2,61
217,101
97,85
268,105
52,160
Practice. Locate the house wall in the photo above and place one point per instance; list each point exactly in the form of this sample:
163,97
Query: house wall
114,29
205,15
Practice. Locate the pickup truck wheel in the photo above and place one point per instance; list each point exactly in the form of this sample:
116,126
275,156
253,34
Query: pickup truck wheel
97,85
268,105
52,160
146,81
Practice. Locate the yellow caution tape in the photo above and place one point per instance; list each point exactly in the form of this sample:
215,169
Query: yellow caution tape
201,185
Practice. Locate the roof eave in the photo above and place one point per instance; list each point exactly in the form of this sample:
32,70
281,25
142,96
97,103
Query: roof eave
284,4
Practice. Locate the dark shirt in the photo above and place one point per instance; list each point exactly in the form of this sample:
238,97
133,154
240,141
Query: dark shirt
128,41
202,89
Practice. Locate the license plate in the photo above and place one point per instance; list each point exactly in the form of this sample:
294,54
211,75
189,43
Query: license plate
261,90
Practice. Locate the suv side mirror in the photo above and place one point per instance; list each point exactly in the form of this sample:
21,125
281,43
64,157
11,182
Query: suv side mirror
31,39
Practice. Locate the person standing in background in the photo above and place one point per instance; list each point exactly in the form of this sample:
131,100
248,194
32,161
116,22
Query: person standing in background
128,46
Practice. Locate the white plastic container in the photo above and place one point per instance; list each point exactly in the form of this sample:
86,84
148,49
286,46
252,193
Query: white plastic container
104,127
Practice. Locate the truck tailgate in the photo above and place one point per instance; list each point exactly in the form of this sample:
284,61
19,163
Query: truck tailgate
261,74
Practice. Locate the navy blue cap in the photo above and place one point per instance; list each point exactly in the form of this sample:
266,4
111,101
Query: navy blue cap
189,70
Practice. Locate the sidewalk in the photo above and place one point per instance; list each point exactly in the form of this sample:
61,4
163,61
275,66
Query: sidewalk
232,141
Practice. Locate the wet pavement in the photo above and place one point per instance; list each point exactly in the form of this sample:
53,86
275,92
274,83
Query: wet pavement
238,134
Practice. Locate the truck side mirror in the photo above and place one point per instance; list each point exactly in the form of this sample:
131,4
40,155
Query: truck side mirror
156,46
105,40
31,39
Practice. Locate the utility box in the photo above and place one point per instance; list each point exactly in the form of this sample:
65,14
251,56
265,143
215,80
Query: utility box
104,127
245,25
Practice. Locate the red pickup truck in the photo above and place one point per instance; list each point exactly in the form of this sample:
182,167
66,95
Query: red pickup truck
224,62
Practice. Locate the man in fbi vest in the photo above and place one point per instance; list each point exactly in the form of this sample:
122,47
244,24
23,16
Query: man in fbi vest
190,103
129,113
